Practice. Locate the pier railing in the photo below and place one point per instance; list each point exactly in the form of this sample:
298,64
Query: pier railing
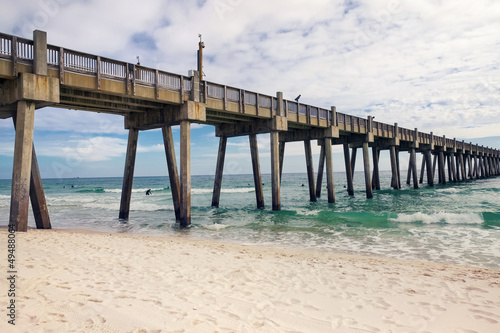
20,50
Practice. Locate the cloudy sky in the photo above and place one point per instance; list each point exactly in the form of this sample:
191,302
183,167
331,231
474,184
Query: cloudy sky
430,64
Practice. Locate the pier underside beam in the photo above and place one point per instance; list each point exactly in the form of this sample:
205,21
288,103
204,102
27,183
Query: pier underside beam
219,171
348,170
310,170
128,174
329,170
257,178
173,173
185,180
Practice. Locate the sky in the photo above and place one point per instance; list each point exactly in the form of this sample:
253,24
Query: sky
429,64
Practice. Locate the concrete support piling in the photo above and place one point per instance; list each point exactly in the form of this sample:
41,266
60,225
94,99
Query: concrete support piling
21,173
413,159
173,173
275,172
429,167
310,170
282,156
37,195
348,170
221,155
442,177
329,170
366,162
128,174
394,169
422,170
462,165
321,165
452,169
376,173
185,213
257,179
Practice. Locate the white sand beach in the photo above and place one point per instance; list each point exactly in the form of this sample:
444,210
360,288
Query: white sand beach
78,281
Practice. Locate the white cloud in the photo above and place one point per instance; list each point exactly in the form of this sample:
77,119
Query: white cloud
428,64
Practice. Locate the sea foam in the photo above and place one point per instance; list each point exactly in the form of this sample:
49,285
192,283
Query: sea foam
439,217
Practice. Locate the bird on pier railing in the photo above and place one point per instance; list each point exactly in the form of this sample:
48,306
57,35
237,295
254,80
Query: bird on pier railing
297,98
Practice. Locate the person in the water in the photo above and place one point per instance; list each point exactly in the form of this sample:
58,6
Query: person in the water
148,192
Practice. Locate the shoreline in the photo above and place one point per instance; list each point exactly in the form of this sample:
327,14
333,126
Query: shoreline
77,280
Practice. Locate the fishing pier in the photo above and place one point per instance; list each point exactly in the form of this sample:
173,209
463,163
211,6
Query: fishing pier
34,75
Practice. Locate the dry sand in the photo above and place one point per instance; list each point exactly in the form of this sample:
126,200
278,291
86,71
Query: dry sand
71,281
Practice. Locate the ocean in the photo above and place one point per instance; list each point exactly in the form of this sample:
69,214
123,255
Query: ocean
457,223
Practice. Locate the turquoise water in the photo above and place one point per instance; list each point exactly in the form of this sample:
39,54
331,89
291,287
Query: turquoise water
453,223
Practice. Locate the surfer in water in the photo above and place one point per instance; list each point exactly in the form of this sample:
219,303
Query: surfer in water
148,192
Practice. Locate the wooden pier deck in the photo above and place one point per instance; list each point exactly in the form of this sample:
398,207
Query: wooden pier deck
34,75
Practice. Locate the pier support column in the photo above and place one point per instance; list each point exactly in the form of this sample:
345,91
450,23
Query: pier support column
219,171
354,151
481,167
429,167
310,170
321,166
442,177
394,168
185,214
368,181
434,165
21,173
348,170
462,165
275,170
398,167
329,170
37,195
376,172
282,157
422,169
128,174
451,168
469,162
475,173
408,173
413,164
173,174
257,179
459,169
448,161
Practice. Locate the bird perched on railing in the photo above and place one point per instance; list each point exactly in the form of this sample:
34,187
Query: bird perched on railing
297,98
